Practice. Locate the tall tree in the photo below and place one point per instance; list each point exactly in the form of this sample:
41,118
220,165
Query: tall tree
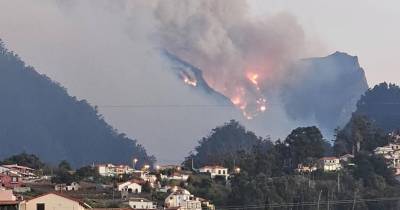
360,134
222,145
304,143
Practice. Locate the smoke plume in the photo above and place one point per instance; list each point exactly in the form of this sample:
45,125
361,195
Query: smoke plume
109,52
240,56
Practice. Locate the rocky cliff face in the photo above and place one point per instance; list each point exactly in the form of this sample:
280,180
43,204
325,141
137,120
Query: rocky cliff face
324,90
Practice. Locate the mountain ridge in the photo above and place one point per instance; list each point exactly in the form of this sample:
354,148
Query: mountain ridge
40,117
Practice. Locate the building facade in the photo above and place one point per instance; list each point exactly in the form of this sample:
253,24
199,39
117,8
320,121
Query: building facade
53,201
215,171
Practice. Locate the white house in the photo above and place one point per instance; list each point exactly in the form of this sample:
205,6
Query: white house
3,169
111,170
305,168
130,187
391,153
74,186
53,201
329,164
215,171
183,199
176,176
388,149
141,203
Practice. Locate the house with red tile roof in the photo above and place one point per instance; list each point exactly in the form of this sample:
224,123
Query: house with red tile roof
53,201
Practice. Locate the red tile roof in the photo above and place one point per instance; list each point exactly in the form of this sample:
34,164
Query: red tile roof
113,209
216,167
329,158
9,203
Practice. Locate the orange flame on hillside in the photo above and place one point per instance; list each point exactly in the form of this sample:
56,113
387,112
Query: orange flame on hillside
188,79
244,100
253,78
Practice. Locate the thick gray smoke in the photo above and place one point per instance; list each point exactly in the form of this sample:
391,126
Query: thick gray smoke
109,52
240,56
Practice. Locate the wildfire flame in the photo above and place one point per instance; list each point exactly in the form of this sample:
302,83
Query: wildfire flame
243,101
242,98
253,78
188,79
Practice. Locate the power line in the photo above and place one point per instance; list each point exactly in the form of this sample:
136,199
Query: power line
199,105
299,204
167,106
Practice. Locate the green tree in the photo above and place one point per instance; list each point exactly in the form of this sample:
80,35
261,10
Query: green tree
64,165
360,134
304,143
24,159
86,172
222,145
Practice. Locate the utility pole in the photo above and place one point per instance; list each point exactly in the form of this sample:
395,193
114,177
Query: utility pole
338,182
328,201
354,201
319,198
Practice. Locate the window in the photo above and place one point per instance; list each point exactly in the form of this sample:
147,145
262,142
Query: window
40,206
219,171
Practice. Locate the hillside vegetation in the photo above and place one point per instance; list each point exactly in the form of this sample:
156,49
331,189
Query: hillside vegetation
38,116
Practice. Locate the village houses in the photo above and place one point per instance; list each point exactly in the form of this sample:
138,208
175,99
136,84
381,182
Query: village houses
391,153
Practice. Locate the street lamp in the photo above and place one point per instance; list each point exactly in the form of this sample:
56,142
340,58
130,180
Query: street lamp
135,160
237,170
146,167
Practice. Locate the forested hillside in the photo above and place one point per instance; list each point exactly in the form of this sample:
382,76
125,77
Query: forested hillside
381,105
268,177
38,116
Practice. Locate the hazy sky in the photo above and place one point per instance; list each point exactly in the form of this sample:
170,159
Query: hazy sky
366,28
97,56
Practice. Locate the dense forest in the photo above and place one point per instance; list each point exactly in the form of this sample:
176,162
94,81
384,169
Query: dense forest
39,117
268,178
